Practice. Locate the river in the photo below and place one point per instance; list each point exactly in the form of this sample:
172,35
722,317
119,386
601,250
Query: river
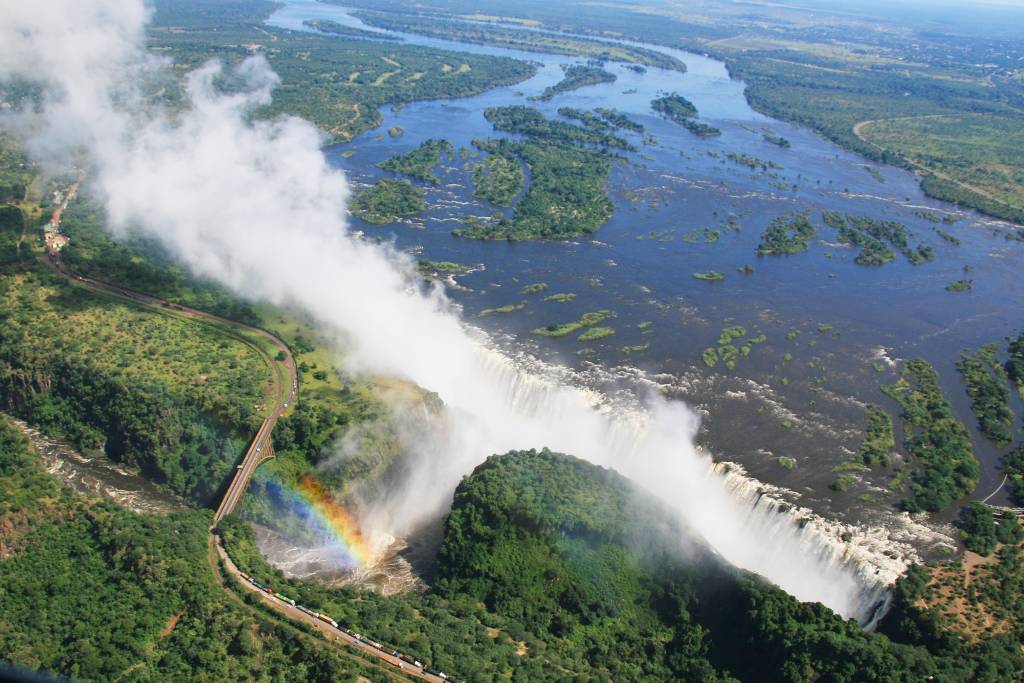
97,476
832,328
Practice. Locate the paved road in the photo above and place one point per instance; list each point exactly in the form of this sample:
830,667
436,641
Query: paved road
284,393
333,634
283,388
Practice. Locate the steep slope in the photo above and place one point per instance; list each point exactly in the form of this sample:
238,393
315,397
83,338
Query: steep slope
589,564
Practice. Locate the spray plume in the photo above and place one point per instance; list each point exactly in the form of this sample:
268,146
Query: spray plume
254,205
329,521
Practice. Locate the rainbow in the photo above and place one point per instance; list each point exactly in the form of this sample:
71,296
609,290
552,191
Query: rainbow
312,501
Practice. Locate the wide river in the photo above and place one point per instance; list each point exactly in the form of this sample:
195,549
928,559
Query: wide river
832,327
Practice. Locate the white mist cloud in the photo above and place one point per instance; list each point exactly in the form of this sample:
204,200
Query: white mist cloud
254,205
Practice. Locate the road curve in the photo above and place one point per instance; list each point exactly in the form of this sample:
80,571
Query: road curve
260,449
283,388
334,635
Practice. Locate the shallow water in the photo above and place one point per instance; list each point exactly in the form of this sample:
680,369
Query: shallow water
808,405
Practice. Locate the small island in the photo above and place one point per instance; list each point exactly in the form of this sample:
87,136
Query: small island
387,201
680,110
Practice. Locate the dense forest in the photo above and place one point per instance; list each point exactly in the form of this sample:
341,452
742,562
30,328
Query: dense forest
132,597
677,108
874,238
945,469
550,568
565,547
175,397
566,196
141,264
388,200
786,235
500,178
990,395
947,103
419,164
518,39
339,84
577,76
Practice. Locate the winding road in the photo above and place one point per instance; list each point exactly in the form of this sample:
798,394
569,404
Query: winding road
283,390
858,130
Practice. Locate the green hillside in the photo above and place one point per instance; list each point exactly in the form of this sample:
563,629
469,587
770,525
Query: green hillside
581,557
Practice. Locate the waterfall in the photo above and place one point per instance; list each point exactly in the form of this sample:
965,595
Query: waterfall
647,438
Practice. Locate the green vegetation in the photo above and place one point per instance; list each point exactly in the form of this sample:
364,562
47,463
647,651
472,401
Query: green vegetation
572,551
675,107
1015,363
955,241
787,234
535,288
388,200
586,320
94,592
619,120
507,308
499,179
871,235
337,81
752,163
337,29
558,330
140,264
396,131
419,163
878,440
776,139
577,76
680,110
15,171
561,297
986,382
712,276
502,36
727,352
960,286
589,120
981,531
170,395
529,121
947,469
1013,464
978,155
732,333
875,173
566,197
842,483
595,333
701,130
441,267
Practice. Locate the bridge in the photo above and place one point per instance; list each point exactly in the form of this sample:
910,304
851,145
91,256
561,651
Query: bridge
260,450
283,388
282,392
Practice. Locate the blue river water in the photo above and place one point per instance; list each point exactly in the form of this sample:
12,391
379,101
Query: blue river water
832,327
